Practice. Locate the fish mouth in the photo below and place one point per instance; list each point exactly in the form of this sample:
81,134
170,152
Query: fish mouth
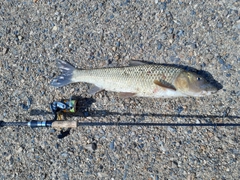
207,93
208,90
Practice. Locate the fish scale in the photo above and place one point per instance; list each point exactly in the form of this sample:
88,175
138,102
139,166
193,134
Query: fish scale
139,80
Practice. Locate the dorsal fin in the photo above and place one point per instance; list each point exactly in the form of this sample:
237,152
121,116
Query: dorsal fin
138,63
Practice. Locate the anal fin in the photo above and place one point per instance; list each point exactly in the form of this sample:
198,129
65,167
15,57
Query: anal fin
126,94
94,89
164,85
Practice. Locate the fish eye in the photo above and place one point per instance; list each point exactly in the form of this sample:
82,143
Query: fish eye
199,79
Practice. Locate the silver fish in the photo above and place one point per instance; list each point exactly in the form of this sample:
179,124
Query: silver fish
140,79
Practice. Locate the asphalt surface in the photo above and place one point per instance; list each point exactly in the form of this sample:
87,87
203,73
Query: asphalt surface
96,34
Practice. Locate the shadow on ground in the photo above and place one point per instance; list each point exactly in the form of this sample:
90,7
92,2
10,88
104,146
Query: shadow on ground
83,110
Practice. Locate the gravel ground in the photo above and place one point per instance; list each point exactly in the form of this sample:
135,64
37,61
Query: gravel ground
203,35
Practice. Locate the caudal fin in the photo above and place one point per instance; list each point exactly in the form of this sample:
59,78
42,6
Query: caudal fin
66,76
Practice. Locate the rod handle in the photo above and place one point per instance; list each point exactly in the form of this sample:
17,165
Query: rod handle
64,124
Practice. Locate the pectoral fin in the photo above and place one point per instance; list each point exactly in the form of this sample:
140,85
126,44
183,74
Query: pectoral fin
164,85
126,94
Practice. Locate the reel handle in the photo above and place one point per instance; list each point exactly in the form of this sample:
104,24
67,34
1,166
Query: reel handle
64,124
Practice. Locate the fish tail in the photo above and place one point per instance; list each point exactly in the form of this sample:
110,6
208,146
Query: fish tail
66,74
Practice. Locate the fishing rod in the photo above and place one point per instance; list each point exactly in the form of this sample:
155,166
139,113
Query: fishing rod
59,108
74,124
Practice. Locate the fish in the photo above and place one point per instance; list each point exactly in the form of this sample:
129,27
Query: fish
139,79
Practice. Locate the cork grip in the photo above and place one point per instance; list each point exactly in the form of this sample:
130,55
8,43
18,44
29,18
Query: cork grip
64,124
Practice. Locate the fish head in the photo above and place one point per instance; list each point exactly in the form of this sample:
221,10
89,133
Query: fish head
193,84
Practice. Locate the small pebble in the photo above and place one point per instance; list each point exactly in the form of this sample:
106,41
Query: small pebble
174,59
55,28
220,60
127,2
162,6
159,46
15,33
58,18
91,147
65,176
111,146
20,149
237,25
170,31
112,16
52,131
209,56
117,57
4,50
238,93
65,155
118,44
193,12
203,65
24,106
180,109
171,129
140,146
102,175
29,102
194,45
119,35
219,25
114,9
163,36
180,33
228,66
